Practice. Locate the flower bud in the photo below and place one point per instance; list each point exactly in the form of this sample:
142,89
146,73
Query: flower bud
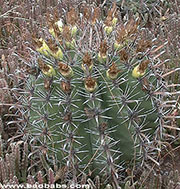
47,83
44,49
102,58
51,31
58,54
103,50
73,31
65,86
112,72
90,84
87,62
47,70
51,72
65,70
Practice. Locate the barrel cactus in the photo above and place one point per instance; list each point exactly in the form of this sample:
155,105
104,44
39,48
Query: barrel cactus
93,101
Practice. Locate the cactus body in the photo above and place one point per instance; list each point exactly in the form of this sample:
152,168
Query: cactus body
96,112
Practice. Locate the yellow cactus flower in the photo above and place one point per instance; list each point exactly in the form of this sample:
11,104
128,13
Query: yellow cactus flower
46,69
114,21
118,46
102,58
60,25
50,72
58,54
140,69
88,67
70,45
136,73
44,49
51,31
74,31
108,29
